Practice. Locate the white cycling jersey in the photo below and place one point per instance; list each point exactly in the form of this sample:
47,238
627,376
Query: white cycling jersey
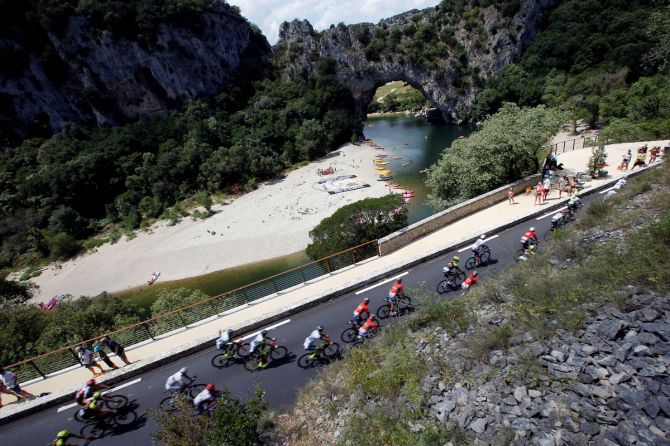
202,397
225,338
557,217
313,337
479,242
257,341
175,382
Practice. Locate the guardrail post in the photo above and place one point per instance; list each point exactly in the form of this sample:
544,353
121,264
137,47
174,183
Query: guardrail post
32,363
353,256
183,321
573,144
146,327
328,265
302,274
563,146
274,285
76,356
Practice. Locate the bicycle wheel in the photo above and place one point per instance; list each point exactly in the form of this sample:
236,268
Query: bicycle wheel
384,311
168,404
332,350
78,416
442,287
306,361
458,280
125,417
93,429
348,335
279,353
195,389
405,300
220,361
243,350
547,234
357,343
407,309
116,402
518,253
485,257
471,263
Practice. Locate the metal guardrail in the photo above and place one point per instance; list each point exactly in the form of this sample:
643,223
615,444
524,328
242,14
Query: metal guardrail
577,143
43,365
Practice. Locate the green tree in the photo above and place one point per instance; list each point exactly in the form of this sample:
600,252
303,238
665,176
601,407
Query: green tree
170,299
13,293
357,223
506,148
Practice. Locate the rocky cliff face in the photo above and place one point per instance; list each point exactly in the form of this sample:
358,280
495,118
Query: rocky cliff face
446,54
98,78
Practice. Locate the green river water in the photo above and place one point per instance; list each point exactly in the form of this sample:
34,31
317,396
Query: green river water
413,139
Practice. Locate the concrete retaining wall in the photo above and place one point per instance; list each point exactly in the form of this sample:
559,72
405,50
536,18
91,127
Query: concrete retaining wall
405,236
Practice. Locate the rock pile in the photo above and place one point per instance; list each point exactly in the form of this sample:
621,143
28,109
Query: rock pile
606,385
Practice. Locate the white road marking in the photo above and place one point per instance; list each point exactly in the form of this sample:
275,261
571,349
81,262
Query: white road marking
486,240
550,213
382,283
278,324
114,389
606,190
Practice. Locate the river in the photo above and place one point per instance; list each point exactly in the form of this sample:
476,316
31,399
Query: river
415,141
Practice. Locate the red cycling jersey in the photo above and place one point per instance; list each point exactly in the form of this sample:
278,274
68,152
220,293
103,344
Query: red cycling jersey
472,279
362,307
369,325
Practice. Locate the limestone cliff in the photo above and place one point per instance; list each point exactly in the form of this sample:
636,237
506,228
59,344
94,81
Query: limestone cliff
445,52
80,74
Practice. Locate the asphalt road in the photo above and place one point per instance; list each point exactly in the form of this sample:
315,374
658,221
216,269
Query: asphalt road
281,382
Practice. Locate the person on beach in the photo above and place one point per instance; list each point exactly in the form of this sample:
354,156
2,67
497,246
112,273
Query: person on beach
11,383
625,161
510,196
115,348
86,357
546,186
539,190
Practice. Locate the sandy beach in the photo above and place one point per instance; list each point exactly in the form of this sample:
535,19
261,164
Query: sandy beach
272,221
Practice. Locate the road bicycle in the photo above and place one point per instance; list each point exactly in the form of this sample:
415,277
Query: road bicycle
190,391
322,355
484,256
451,281
349,334
112,402
237,349
532,250
99,427
402,305
272,351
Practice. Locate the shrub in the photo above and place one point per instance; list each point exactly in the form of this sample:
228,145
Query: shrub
596,161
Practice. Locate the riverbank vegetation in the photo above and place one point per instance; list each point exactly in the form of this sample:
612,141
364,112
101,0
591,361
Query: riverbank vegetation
59,192
397,97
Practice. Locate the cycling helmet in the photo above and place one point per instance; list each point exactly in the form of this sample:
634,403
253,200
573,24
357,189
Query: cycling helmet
63,434
483,236
456,258
445,269
366,300
210,387
183,370
373,317
96,349
97,395
90,382
399,280
532,228
264,332
474,273
319,328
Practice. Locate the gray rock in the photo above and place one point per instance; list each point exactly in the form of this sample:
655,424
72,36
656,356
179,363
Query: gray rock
443,409
647,338
521,424
618,378
589,428
558,355
534,393
520,393
661,329
663,423
585,378
635,398
497,357
607,361
647,315
466,415
641,350
597,373
610,330
509,400
479,425
537,348
601,391
589,349
651,408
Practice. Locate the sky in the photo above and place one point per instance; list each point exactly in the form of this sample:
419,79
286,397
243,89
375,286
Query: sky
269,14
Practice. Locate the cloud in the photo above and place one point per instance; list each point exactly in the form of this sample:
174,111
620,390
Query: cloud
269,14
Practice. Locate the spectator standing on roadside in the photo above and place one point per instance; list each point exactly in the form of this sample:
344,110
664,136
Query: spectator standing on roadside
11,383
115,348
538,193
102,356
625,161
546,186
640,158
653,153
510,196
86,357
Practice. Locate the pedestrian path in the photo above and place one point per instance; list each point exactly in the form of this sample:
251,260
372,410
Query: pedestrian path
484,221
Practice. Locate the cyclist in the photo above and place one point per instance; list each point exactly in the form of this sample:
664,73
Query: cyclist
557,219
451,270
370,326
205,401
178,382
573,203
529,237
225,342
310,342
360,309
94,407
397,289
63,436
469,281
477,248
260,341
87,391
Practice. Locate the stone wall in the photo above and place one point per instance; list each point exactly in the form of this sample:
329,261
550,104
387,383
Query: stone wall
435,222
